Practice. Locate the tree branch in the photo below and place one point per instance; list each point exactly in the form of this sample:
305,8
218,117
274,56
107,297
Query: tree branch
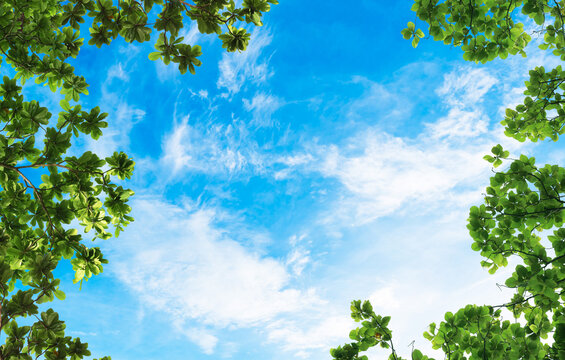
37,195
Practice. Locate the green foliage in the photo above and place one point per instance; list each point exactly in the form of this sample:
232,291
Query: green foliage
481,332
542,115
523,213
374,331
43,187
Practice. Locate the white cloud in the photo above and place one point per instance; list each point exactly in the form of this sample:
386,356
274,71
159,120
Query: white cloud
384,298
240,67
385,173
203,94
263,106
297,260
117,71
130,51
198,335
295,160
175,151
459,123
377,99
291,163
315,333
463,91
180,263
210,149
166,73
191,34
466,86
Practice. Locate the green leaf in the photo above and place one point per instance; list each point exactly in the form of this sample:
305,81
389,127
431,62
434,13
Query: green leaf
417,355
59,294
65,105
154,55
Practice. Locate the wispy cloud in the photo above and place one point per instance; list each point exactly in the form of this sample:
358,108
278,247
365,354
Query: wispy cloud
463,92
385,173
318,332
376,99
166,73
201,144
200,336
116,71
459,123
214,149
181,263
191,34
466,86
263,107
297,260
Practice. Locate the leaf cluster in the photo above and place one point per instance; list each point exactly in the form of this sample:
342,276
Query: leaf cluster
542,114
374,331
134,21
43,191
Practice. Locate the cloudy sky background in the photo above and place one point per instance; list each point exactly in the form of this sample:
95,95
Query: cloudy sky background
331,161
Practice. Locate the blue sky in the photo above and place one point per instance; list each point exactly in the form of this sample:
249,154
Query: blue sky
331,161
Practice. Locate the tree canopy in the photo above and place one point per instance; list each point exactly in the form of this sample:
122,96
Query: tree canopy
50,194
523,212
